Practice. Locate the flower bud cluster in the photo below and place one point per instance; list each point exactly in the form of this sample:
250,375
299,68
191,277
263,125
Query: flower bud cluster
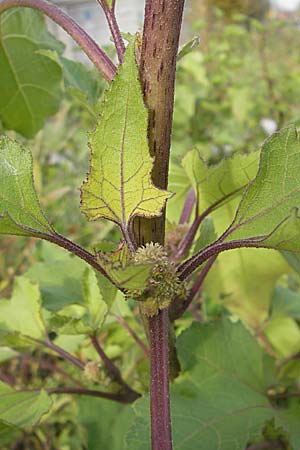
163,285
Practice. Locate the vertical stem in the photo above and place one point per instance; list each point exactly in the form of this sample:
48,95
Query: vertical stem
161,435
158,66
162,26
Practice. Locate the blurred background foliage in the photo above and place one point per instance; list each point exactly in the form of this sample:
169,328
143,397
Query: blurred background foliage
241,83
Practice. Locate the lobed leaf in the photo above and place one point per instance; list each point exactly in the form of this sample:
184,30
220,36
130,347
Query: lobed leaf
268,211
119,185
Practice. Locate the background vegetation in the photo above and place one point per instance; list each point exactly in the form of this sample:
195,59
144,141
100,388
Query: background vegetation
235,88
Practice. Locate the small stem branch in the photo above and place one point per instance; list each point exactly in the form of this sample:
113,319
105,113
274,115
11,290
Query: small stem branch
54,368
98,57
188,267
121,398
133,334
186,243
114,28
188,207
159,388
63,353
112,369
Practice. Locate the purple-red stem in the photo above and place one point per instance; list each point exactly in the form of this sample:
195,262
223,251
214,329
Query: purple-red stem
120,397
161,33
112,369
114,28
161,435
188,207
98,57
64,354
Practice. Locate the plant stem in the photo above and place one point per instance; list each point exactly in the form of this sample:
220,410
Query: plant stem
114,28
112,369
159,387
120,397
63,353
188,267
161,32
188,207
86,256
98,57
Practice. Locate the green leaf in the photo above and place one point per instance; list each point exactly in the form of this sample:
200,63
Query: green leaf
217,184
188,47
87,318
96,306
109,432
283,333
285,302
29,82
20,211
22,409
59,277
268,211
119,184
243,280
123,271
220,402
22,314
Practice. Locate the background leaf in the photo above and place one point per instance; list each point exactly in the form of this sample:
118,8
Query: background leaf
22,314
20,211
22,409
221,401
30,83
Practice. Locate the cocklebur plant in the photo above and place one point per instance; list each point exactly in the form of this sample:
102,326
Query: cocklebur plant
127,184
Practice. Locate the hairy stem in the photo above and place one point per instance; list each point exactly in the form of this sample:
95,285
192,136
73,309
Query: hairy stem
157,70
98,57
159,386
86,256
192,264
